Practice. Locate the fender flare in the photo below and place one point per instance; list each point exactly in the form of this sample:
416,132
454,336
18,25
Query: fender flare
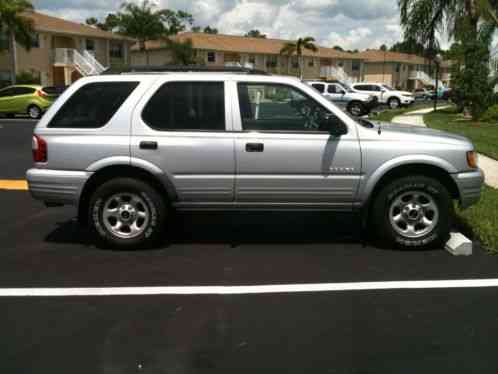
407,160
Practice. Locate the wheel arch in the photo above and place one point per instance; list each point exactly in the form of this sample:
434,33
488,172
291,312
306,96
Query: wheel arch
427,169
160,182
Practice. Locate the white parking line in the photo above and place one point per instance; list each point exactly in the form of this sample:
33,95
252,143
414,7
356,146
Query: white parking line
247,290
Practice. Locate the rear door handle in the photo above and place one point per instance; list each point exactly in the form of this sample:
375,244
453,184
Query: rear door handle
255,147
148,145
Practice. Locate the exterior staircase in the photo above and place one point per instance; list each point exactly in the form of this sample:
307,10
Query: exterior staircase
85,63
337,73
425,78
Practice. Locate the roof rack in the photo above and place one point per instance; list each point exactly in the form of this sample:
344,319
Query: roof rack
183,68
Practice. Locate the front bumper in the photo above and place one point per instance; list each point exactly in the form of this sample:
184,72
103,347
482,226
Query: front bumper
56,186
407,100
469,186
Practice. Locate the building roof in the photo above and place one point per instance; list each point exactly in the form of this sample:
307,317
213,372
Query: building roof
376,55
43,22
242,44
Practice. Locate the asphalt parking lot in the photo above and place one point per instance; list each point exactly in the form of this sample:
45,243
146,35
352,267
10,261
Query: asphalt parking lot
343,331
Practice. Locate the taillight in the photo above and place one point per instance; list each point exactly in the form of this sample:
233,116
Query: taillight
39,146
41,93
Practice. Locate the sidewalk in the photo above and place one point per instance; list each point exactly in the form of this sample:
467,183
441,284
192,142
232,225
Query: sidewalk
487,164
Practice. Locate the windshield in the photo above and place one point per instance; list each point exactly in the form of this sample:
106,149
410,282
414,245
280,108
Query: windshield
387,87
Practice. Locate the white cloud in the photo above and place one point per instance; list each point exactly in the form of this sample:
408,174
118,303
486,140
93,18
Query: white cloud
353,24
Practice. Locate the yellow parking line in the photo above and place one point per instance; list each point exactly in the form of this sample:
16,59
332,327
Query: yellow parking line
11,184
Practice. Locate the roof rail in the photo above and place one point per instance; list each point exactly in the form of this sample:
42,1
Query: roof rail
183,68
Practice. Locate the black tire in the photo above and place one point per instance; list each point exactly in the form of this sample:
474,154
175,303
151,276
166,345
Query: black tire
394,103
151,203
392,192
356,108
34,112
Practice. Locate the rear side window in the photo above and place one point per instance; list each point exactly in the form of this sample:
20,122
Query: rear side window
364,87
17,91
197,106
93,105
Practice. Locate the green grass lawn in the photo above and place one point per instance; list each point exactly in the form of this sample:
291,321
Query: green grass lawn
481,220
483,135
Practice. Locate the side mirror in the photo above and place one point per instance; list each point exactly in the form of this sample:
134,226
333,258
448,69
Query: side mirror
333,125
343,92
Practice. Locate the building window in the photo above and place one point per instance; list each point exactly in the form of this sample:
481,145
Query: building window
398,66
341,64
311,62
211,56
90,45
252,59
271,61
355,65
4,42
4,78
116,50
35,41
295,63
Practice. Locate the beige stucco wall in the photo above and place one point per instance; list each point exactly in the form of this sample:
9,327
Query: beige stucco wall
378,72
40,59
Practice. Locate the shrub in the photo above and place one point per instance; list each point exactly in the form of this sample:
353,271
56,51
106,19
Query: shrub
28,77
491,115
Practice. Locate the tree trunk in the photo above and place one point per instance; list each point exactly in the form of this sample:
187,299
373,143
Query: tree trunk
300,60
13,57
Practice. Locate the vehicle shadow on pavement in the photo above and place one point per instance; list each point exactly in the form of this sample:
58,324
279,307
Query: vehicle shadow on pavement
240,228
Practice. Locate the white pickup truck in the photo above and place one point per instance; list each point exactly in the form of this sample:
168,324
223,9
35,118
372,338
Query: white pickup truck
357,104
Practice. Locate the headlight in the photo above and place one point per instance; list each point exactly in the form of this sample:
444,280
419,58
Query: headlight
472,160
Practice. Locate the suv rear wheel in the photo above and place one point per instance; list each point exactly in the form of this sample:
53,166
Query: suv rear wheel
34,112
413,212
127,213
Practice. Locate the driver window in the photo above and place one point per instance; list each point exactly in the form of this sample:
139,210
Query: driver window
277,107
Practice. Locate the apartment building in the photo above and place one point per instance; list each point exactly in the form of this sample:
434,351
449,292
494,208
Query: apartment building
262,54
405,71
63,51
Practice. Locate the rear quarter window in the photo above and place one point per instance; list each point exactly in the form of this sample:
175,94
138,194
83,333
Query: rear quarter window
92,105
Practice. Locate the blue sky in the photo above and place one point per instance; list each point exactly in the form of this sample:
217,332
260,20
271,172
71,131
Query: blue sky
350,23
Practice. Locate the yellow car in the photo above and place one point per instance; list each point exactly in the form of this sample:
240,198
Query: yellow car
31,100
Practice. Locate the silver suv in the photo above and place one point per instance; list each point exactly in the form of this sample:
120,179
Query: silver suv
128,149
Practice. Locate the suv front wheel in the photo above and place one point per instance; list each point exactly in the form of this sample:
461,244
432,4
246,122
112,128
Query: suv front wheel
127,213
394,103
413,212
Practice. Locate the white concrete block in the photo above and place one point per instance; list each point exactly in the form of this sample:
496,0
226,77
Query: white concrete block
459,245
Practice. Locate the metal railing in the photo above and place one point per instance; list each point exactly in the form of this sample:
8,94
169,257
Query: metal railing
338,73
85,63
98,67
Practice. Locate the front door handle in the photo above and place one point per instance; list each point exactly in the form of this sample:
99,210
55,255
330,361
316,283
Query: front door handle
255,147
148,145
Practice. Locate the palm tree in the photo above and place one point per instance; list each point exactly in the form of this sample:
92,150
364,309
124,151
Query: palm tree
182,52
17,27
297,48
143,23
